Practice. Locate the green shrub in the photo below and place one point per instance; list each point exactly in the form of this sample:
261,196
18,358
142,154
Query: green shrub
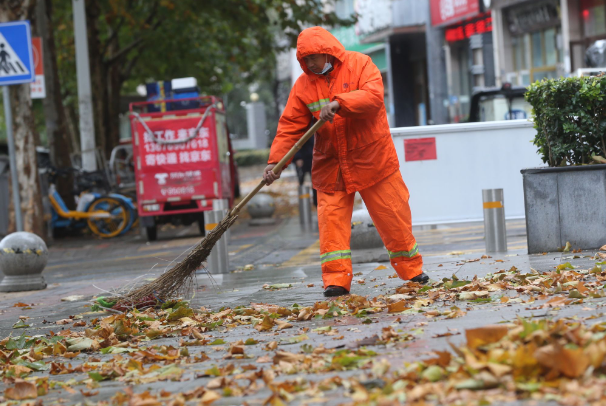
251,157
570,119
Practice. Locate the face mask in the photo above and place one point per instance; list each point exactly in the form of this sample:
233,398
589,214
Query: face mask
327,67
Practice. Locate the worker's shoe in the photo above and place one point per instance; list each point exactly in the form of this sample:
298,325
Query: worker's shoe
423,278
332,291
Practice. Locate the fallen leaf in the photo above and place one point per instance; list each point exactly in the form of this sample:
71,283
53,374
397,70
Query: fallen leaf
571,363
266,324
209,397
433,373
63,321
283,324
22,390
472,295
556,302
397,307
264,359
287,357
19,304
485,335
380,268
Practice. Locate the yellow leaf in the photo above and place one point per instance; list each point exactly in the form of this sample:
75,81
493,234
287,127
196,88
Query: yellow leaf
380,268
266,324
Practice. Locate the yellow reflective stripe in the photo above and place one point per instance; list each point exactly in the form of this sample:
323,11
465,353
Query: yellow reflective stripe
317,105
493,205
334,255
408,254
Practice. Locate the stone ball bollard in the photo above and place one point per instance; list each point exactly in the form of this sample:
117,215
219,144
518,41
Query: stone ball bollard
23,257
364,234
261,206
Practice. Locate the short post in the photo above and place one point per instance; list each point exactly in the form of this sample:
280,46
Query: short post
495,232
223,204
305,204
218,260
23,257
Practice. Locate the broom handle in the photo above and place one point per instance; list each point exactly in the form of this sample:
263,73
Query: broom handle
298,145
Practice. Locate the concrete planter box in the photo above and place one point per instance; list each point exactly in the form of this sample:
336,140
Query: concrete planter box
565,204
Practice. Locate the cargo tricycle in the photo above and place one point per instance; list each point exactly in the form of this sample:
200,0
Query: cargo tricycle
183,161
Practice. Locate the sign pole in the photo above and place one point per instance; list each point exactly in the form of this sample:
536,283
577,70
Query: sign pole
8,116
85,100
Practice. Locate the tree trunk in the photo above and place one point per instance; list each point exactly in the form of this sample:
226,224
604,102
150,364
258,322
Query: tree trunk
58,132
24,131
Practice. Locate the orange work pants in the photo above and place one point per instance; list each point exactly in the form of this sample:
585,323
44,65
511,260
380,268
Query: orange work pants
387,204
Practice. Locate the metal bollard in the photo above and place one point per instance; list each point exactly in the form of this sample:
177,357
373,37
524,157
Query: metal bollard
223,204
305,205
218,260
495,232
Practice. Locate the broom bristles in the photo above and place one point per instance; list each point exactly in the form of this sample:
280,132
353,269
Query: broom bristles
170,284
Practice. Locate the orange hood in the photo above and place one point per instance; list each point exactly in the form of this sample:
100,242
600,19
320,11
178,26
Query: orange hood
317,40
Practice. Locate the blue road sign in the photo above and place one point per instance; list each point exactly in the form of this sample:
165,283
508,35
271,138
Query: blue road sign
16,61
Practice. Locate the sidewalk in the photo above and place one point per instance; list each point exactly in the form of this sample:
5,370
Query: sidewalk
306,364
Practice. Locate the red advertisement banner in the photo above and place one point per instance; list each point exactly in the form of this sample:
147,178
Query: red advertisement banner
182,169
444,12
420,149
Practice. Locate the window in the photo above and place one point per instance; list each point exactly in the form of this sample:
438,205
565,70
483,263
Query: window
519,54
537,50
543,49
551,51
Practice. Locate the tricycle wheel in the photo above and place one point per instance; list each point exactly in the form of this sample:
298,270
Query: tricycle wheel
152,233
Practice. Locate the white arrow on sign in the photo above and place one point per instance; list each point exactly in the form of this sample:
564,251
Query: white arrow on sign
10,63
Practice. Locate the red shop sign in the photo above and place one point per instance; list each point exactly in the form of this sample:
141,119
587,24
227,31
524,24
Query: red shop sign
445,12
465,30
420,149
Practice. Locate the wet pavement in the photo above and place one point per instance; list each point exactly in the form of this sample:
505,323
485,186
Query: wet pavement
284,253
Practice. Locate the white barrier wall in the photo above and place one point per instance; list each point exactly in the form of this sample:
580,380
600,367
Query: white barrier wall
468,158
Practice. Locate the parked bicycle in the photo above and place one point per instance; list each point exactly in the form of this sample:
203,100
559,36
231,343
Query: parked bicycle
106,215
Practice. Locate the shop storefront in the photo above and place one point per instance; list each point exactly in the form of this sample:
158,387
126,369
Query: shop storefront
467,38
536,41
530,44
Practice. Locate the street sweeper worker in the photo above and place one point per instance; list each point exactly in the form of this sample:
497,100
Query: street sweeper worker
353,152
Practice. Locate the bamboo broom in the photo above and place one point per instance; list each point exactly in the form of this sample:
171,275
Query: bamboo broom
170,284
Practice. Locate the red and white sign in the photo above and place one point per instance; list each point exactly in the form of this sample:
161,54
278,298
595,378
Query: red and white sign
444,12
420,149
176,170
37,88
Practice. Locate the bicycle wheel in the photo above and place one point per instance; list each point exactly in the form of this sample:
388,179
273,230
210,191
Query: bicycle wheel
112,217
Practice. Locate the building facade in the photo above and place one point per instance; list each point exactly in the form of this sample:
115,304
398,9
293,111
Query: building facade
434,55
539,39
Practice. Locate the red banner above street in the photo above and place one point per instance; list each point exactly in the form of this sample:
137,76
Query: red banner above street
445,12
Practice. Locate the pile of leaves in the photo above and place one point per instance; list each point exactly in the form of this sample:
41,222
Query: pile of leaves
561,360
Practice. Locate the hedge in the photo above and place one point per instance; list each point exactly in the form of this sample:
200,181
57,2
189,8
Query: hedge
570,119
251,157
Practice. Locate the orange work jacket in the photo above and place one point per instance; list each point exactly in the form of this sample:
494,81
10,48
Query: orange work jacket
356,149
